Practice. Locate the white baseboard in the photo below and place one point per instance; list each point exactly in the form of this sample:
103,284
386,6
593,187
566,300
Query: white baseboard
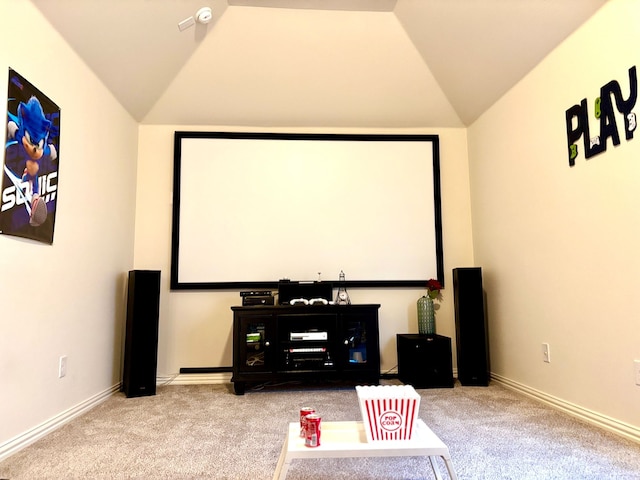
27,438
594,418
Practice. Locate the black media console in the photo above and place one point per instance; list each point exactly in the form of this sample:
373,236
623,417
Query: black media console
305,343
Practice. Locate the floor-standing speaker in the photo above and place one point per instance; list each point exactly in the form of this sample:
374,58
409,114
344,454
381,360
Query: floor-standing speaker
471,332
141,340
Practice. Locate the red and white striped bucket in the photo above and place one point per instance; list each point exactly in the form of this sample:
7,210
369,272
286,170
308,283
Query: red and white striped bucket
389,412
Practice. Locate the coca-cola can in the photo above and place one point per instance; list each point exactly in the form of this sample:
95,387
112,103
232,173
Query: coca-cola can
304,411
312,435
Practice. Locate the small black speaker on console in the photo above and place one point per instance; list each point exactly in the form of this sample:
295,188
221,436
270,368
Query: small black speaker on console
141,341
471,332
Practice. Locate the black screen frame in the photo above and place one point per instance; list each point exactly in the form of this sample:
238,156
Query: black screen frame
176,284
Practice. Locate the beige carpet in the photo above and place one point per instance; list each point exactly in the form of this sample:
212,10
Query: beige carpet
207,432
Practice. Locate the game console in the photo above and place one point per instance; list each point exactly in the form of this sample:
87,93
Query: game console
257,297
255,300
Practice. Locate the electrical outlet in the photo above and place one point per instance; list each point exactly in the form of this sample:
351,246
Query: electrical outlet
636,369
546,352
62,366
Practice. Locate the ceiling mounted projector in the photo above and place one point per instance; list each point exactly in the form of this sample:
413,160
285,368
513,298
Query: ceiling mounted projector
204,15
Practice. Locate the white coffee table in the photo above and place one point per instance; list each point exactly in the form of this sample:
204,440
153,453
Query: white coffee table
348,439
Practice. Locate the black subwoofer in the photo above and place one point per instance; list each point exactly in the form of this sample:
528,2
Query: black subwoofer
141,341
471,331
424,361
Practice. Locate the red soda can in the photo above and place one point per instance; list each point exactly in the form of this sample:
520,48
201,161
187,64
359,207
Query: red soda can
304,411
312,436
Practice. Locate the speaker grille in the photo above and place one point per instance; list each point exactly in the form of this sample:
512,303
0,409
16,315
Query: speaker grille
471,336
141,341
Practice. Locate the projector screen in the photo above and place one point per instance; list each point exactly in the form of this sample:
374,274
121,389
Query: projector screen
250,209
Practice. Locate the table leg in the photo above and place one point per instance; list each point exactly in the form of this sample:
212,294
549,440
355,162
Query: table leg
452,472
434,466
283,461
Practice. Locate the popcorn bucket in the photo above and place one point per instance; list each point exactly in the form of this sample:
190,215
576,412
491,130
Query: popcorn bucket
389,412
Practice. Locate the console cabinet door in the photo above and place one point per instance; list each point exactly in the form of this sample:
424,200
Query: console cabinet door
255,342
359,345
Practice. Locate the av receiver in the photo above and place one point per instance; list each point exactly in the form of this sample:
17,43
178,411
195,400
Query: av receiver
307,358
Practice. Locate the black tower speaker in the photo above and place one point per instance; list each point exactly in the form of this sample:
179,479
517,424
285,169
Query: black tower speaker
141,341
471,334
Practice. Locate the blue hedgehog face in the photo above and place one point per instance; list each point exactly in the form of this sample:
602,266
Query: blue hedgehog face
34,128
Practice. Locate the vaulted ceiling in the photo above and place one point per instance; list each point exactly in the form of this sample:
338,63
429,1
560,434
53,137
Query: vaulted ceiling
314,63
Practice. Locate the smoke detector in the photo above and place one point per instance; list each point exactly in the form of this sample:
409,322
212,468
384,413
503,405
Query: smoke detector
204,15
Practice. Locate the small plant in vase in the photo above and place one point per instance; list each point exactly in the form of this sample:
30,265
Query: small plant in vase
426,309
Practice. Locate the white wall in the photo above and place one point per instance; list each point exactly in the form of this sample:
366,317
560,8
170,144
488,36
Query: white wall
559,245
195,327
66,298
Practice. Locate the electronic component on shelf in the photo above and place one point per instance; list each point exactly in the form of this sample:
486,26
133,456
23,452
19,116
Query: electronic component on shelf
307,358
308,336
255,300
256,293
257,297
308,350
254,337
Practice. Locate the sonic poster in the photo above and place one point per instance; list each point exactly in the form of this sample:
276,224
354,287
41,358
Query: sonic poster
30,171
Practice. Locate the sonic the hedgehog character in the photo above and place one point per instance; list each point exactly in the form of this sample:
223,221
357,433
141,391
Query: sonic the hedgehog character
29,131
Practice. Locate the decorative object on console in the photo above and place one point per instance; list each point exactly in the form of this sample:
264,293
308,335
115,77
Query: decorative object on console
426,308
342,297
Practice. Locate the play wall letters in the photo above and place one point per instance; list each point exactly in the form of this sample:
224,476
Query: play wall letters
578,120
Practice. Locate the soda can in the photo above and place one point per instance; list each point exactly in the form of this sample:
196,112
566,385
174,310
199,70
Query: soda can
304,411
312,436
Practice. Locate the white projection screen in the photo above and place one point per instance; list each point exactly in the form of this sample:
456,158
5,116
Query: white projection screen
250,209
